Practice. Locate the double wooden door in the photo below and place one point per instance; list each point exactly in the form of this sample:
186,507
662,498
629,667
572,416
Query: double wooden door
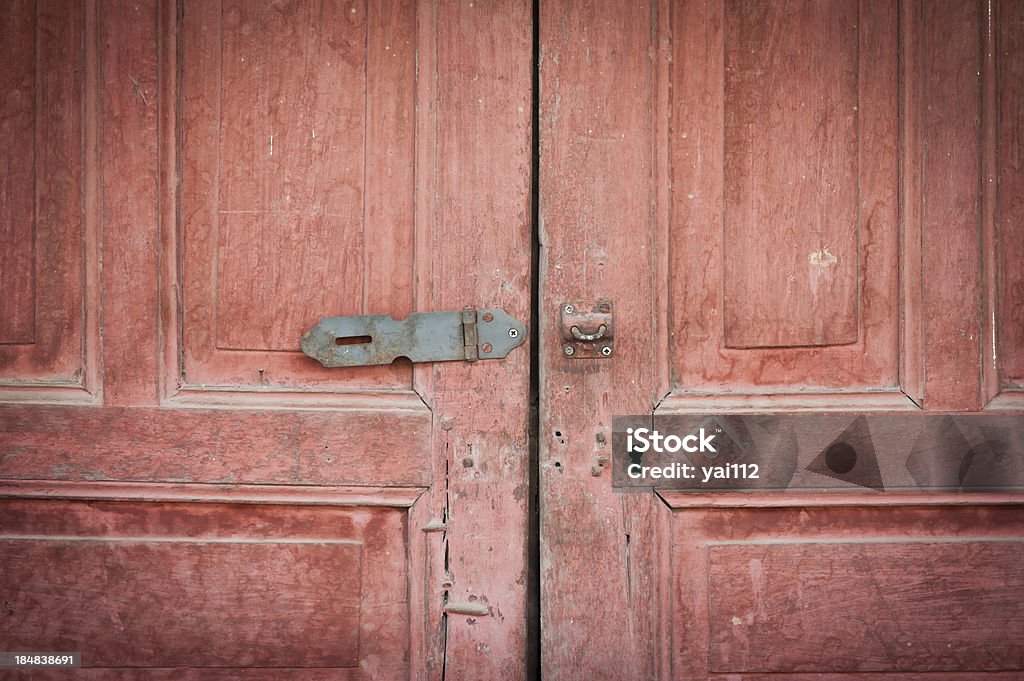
793,205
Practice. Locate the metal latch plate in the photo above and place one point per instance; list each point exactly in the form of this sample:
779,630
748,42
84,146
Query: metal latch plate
588,329
367,340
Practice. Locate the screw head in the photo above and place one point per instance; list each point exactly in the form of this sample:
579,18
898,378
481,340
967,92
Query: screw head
513,333
486,347
569,309
488,317
569,351
606,351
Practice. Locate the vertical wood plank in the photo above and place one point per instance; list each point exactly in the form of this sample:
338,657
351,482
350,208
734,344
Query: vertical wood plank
129,186
950,216
911,290
18,133
389,248
599,577
1009,219
475,220
989,282
297,185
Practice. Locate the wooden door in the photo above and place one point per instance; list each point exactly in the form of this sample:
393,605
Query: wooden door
794,205
186,188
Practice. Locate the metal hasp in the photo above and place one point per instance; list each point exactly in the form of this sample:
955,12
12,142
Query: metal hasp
588,330
366,340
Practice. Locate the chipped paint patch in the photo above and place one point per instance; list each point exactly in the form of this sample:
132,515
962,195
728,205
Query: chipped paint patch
822,258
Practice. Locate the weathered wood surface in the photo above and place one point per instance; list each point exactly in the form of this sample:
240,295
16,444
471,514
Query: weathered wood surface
297,184
1008,27
206,585
399,179
670,134
945,580
598,567
41,202
950,119
792,128
372,447
783,235
474,212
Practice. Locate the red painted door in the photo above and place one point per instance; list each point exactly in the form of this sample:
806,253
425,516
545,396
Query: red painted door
186,188
794,206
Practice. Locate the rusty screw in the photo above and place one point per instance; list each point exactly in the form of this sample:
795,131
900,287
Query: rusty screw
486,347
606,351
513,333
569,351
488,317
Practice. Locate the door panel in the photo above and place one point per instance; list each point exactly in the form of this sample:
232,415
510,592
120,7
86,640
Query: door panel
869,589
243,170
794,207
41,263
297,184
318,586
797,151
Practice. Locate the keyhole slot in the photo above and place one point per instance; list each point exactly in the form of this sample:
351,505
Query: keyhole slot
353,340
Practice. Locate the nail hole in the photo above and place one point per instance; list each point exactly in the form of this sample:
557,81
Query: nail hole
353,340
558,433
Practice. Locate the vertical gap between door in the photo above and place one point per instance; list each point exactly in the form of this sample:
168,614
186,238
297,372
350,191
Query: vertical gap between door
533,670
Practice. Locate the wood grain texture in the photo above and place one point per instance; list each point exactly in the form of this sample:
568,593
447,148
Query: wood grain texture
372,447
598,550
876,579
110,587
791,173
1009,168
318,587
292,139
910,140
41,173
17,202
129,190
866,607
192,674
708,106
475,214
950,207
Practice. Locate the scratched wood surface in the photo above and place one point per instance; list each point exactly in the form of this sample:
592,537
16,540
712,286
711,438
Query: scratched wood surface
783,234
950,209
41,163
235,585
790,145
216,254
598,563
881,589
648,118
296,184
475,169
1009,217
864,606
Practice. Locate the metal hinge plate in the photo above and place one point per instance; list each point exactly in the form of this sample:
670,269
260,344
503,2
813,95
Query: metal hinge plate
367,340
